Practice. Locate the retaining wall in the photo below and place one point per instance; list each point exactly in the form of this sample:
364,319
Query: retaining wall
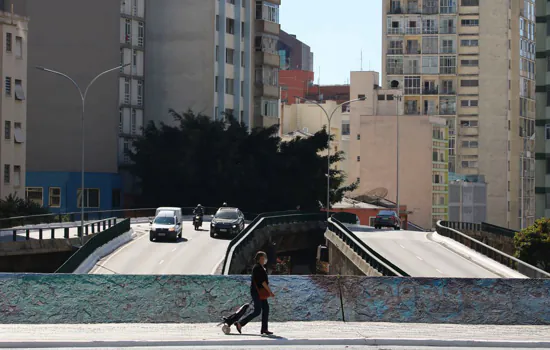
73,299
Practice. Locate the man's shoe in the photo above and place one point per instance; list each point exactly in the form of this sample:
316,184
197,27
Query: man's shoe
239,327
267,332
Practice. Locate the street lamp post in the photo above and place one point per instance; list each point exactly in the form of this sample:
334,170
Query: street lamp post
83,99
397,103
329,119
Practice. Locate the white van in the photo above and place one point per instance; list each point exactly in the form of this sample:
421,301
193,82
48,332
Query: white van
165,225
176,211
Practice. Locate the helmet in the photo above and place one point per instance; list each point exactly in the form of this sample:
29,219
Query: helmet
198,205
224,204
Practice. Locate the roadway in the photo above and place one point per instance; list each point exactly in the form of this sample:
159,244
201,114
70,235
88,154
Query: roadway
420,256
194,254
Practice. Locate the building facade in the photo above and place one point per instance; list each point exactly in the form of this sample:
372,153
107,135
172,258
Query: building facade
375,126
542,154
294,54
13,104
467,199
267,62
54,106
472,63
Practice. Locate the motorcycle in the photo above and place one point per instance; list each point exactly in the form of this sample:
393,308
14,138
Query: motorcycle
197,222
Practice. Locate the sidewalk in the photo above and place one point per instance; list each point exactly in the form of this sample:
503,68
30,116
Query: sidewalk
287,334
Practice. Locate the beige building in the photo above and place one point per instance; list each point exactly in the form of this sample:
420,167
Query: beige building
472,63
13,104
423,151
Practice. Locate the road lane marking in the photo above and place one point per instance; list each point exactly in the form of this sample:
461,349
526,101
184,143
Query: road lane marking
117,252
402,246
419,258
160,263
438,270
174,249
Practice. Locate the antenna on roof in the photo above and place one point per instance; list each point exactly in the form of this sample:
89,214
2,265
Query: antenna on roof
361,60
11,13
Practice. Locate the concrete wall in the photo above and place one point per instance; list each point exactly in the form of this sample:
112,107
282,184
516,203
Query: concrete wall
70,299
344,261
179,61
81,39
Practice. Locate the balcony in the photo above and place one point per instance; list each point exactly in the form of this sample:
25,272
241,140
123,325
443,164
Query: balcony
395,51
413,51
430,91
430,10
268,91
447,70
430,30
448,91
267,27
395,31
447,111
447,30
413,31
395,71
263,58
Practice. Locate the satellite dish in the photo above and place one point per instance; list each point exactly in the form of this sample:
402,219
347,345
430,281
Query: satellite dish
377,193
394,84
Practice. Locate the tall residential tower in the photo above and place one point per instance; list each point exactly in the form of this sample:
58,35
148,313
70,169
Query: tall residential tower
472,63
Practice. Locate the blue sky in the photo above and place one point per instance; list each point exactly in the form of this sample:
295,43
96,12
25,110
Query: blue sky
336,31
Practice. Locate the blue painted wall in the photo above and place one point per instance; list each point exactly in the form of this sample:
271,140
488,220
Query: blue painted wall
69,183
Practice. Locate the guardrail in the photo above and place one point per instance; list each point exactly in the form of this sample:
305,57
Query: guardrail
96,215
94,243
263,220
480,247
377,261
41,233
483,227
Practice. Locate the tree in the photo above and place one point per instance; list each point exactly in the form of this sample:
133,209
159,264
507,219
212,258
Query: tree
200,160
13,206
533,244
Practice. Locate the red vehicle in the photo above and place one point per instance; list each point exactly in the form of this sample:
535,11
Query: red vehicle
387,218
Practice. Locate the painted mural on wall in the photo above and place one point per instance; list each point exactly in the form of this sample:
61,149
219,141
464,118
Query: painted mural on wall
197,299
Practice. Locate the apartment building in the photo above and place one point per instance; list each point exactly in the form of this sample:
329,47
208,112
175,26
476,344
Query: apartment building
380,130
13,103
81,47
472,63
294,54
267,62
542,122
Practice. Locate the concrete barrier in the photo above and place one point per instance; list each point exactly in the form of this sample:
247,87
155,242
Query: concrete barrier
70,299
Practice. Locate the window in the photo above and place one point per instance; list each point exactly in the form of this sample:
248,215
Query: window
358,158
469,63
429,65
267,12
447,65
18,47
230,2
35,195
358,137
547,131
134,58
469,42
469,144
242,59
133,122
8,42
19,92
469,103
242,30
217,52
7,130
7,173
382,97
469,83
127,91
389,97
229,113
229,86
141,34
55,197
16,175
345,129
91,198
469,22
468,124
230,26
140,92
469,2
412,85
229,56
242,88
216,79
361,97
270,108
470,164
19,137
8,86
128,31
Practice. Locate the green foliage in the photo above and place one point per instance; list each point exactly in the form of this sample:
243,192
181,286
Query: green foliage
200,160
533,244
13,206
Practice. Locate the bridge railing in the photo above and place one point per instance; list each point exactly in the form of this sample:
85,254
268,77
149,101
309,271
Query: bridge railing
480,247
58,232
483,227
261,221
94,243
74,217
377,261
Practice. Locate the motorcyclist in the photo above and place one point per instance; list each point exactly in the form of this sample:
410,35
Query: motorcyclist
199,210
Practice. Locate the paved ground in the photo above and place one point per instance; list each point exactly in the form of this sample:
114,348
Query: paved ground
327,334
419,256
196,253
310,347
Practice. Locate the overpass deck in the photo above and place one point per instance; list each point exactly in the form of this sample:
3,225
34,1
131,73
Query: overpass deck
426,254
